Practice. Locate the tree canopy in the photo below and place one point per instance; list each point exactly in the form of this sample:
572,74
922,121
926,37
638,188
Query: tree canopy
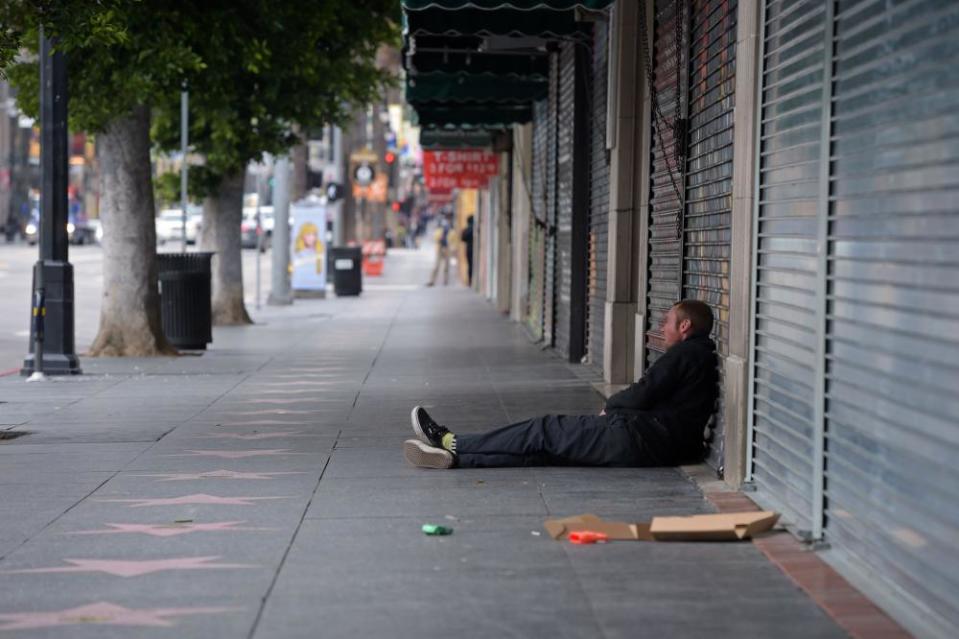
268,64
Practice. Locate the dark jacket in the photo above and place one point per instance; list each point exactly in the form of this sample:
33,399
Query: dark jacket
673,401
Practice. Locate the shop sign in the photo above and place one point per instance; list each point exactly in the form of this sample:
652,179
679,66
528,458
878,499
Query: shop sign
461,169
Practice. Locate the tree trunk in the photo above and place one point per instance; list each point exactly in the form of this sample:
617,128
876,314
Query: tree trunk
130,309
222,216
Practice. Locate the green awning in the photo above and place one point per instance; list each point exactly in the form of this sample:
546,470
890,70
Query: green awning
438,53
471,87
491,5
497,116
505,22
455,139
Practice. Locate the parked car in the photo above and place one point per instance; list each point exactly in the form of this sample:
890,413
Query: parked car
169,225
79,231
248,229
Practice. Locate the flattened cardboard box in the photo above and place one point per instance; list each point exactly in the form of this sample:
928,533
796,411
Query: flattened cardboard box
719,527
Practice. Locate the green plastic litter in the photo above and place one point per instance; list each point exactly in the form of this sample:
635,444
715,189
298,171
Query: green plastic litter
435,529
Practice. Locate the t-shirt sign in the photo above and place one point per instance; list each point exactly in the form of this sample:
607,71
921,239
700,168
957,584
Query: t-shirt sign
463,169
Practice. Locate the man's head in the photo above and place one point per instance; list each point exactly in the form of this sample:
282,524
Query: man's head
686,319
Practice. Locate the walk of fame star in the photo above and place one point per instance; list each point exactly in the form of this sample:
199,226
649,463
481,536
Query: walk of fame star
102,613
168,530
237,454
221,474
126,568
256,436
186,500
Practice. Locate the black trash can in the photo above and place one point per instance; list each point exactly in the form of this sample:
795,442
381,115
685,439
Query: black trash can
185,298
347,270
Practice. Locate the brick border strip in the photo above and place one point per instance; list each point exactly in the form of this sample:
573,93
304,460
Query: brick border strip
844,604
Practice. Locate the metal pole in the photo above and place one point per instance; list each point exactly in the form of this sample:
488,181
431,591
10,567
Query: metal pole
184,141
259,235
39,313
53,351
280,289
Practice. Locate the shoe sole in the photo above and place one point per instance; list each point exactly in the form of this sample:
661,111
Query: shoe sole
417,428
424,456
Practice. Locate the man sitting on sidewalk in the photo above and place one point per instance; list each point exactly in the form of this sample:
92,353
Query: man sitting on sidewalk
657,421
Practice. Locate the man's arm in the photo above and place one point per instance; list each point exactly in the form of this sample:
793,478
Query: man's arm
659,381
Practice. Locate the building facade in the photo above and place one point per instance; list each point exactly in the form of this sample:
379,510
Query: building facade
793,163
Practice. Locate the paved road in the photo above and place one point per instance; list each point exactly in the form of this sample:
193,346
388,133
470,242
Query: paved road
16,267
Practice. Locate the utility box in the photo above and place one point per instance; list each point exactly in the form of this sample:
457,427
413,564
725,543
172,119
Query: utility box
185,292
347,270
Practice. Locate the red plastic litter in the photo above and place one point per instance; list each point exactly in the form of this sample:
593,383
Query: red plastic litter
587,537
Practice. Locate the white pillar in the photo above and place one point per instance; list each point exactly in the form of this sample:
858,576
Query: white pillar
736,364
628,172
280,293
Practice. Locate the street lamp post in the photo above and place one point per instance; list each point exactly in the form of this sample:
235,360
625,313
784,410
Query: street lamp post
184,141
52,349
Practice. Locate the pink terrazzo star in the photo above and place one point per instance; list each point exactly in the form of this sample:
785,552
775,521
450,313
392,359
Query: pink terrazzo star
274,411
221,474
266,422
299,383
256,436
284,401
168,530
237,454
185,500
102,613
122,568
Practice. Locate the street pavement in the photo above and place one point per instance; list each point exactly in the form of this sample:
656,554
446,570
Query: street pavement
16,272
259,490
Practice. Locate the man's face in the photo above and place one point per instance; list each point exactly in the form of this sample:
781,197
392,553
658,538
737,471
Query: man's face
673,332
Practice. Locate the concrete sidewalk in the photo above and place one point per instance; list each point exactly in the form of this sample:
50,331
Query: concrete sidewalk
259,490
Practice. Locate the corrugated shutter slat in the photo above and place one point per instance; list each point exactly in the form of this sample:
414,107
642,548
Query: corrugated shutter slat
892,435
785,328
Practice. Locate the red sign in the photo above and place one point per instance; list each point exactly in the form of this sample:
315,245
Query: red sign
464,169
440,196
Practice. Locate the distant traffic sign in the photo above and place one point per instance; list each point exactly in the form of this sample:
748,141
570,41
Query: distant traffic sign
364,173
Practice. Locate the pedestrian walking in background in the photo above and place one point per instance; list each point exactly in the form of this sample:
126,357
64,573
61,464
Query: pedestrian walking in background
443,231
467,238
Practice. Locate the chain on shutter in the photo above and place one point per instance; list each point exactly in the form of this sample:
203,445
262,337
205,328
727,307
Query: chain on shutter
709,170
564,195
599,200
537,232
552,141
665,245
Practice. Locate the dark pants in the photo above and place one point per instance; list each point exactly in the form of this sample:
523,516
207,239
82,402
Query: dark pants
557,440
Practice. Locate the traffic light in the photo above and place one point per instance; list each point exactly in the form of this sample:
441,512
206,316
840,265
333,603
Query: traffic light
390,157
396,207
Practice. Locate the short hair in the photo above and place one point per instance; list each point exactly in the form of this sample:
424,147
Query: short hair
698,313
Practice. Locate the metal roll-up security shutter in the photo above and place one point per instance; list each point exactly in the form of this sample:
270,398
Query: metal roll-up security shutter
564,195
709,172
537,220
552,182
599,201
892,329
665,217
786,323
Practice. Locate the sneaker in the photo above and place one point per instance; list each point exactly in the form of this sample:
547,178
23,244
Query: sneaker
426,456
426,428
